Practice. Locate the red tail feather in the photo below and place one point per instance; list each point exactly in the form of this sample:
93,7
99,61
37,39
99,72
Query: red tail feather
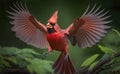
63,65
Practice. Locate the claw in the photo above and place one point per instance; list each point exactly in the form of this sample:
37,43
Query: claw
44,54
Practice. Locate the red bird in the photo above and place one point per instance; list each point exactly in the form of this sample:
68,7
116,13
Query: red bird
85,31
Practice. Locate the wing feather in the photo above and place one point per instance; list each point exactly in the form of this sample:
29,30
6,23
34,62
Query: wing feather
26,27
89,28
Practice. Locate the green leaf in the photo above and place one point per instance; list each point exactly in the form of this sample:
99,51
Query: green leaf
27,55
21,63
6,63
30,68
93,65
12,59
116,68
105,56
118,33
90,60
28,51
39,66
106,49
9,51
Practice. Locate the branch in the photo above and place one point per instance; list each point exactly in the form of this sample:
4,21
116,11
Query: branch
98,66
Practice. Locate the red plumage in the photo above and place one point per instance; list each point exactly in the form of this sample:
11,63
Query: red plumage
85,31
58,41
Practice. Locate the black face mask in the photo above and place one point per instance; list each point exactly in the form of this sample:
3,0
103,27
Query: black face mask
51,30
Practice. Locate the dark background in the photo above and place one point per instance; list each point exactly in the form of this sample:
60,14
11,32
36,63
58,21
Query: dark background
68,11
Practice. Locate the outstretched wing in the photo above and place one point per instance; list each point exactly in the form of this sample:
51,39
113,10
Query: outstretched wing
26,27
89,28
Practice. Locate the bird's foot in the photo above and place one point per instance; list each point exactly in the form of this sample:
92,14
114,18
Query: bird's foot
44,54
66,56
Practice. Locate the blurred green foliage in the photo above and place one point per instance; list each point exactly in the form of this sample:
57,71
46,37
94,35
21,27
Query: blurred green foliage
106,50
11,57
112,66
90,60
68,11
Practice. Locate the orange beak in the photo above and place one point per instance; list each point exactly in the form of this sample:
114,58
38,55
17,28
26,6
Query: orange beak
49,25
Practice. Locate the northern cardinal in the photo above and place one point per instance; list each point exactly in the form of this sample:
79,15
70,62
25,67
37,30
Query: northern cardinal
85,31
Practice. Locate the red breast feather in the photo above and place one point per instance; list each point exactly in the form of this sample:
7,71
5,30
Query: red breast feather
57,41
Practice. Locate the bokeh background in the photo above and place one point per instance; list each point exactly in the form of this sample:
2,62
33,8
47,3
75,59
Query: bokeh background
68,11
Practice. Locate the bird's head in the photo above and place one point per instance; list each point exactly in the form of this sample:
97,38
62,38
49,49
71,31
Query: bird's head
52,22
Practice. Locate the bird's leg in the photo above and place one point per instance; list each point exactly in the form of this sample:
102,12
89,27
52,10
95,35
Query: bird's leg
49,49
66,56
45,53
66,53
